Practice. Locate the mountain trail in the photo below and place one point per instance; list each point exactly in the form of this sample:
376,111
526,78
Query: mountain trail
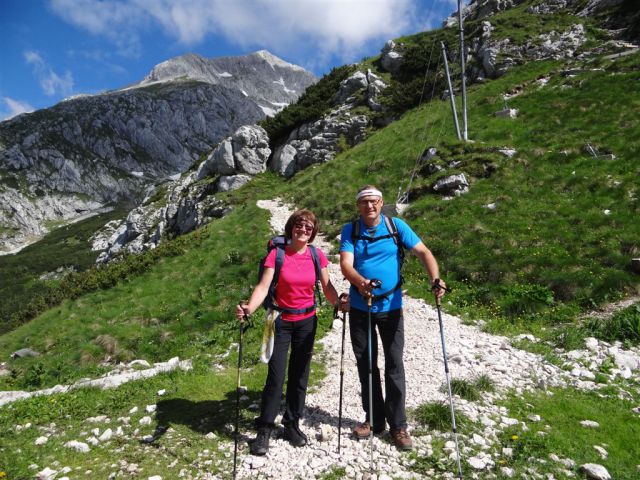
471,353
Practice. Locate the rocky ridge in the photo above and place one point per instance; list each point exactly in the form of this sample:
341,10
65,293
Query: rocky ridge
188,202
110,148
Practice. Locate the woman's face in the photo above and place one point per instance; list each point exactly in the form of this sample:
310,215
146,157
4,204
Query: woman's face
302,230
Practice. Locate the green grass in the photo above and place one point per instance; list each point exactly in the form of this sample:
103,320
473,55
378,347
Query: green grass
470,389
561,411
437,416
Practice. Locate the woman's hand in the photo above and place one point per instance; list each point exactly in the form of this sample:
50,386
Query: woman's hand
242,311
343,302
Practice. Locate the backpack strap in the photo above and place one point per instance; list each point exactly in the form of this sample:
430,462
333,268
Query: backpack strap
316,263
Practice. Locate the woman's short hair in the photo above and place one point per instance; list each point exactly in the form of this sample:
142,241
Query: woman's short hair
300,215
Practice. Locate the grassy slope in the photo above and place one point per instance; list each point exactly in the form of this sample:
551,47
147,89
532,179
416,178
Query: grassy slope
503,263
66,246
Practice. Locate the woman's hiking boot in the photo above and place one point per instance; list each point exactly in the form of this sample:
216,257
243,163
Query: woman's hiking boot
295,436
260,445
363,430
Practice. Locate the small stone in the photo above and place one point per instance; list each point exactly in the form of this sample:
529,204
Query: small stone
150,408
106,435
133,410
479,463
145,421
589,424
507,472
603,453
534,418
41,440
46,474
161,392
78,446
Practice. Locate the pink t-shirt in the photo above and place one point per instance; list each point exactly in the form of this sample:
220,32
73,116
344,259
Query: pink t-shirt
296,283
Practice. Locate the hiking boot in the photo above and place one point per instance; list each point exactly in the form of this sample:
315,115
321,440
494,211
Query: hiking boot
401,439
260,446
295,436
363,430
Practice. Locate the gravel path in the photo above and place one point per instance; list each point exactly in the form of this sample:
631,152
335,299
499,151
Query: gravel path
471,353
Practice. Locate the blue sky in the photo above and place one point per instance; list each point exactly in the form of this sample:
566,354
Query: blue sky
52,49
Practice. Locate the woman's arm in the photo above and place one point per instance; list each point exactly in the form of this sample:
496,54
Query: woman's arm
327,287
257,296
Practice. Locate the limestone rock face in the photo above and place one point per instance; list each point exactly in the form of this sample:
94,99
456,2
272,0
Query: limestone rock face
318,142
84,153
184,204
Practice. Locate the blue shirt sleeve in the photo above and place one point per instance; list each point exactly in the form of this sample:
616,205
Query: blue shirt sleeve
408,237
346,245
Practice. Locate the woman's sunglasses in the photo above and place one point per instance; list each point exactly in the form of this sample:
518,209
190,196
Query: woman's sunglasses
304,226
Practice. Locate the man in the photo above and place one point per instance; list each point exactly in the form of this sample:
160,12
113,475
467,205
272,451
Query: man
368,253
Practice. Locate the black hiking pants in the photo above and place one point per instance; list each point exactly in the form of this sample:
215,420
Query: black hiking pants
391,328
300,335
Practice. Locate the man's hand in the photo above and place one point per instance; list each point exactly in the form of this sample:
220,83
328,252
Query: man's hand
366,288
438,287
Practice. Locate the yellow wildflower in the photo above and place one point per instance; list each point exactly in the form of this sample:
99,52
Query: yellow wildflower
514,437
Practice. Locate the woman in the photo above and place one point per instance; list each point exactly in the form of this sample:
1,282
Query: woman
294,291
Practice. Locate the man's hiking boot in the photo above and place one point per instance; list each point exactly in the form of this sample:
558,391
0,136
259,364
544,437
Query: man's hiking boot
295,436
363,430
401,439
260,446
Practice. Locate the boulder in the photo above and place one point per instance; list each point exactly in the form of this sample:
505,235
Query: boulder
452,185
231,182
220,161
594,471
24,353
250,149
349,86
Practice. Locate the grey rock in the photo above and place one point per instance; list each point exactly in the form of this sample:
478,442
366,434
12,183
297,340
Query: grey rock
318,142
594,471
284,160
349,86
452,185
24,353
220,161
250,149
232,182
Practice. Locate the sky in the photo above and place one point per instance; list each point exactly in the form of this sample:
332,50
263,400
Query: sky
54,49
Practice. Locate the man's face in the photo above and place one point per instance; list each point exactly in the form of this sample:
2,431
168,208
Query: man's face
370,207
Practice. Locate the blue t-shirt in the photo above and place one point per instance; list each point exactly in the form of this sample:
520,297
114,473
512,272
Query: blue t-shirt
380,260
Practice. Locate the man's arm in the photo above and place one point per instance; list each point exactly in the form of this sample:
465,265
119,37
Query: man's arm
353,277
430,265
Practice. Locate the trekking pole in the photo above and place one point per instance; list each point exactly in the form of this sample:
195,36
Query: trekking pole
344,322
375,284
435,289
235,440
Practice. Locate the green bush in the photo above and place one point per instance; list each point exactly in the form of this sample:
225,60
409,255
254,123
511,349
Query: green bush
623,326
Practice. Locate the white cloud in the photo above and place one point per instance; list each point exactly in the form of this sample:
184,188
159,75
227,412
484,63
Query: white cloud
338,28
10,108
50,82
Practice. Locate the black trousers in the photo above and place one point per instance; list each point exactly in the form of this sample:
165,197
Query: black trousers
391,328
300,335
